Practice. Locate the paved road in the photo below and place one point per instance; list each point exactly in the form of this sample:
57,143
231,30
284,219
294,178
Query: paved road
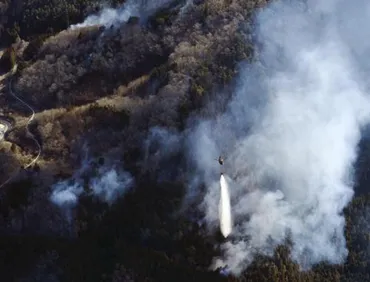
29,134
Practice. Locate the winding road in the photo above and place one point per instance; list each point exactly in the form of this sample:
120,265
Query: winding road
28,132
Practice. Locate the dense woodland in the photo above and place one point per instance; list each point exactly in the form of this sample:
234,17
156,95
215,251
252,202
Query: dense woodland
106,87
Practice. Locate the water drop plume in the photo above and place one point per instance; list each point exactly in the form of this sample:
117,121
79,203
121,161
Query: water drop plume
224,208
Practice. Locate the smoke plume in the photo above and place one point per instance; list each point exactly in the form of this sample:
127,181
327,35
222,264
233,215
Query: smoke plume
107,182
65,195
131,8
290,133
110,184
160,151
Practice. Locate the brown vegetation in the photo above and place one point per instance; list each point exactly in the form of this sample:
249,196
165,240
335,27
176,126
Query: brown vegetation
183,59
106,88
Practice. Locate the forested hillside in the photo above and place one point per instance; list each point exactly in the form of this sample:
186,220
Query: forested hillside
99,91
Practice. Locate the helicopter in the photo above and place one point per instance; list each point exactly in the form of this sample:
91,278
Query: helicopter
220,160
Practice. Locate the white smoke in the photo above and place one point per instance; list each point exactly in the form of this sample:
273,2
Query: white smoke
160,150
161,144
110,185
290,133
131,8
106,183
65,195
188,4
